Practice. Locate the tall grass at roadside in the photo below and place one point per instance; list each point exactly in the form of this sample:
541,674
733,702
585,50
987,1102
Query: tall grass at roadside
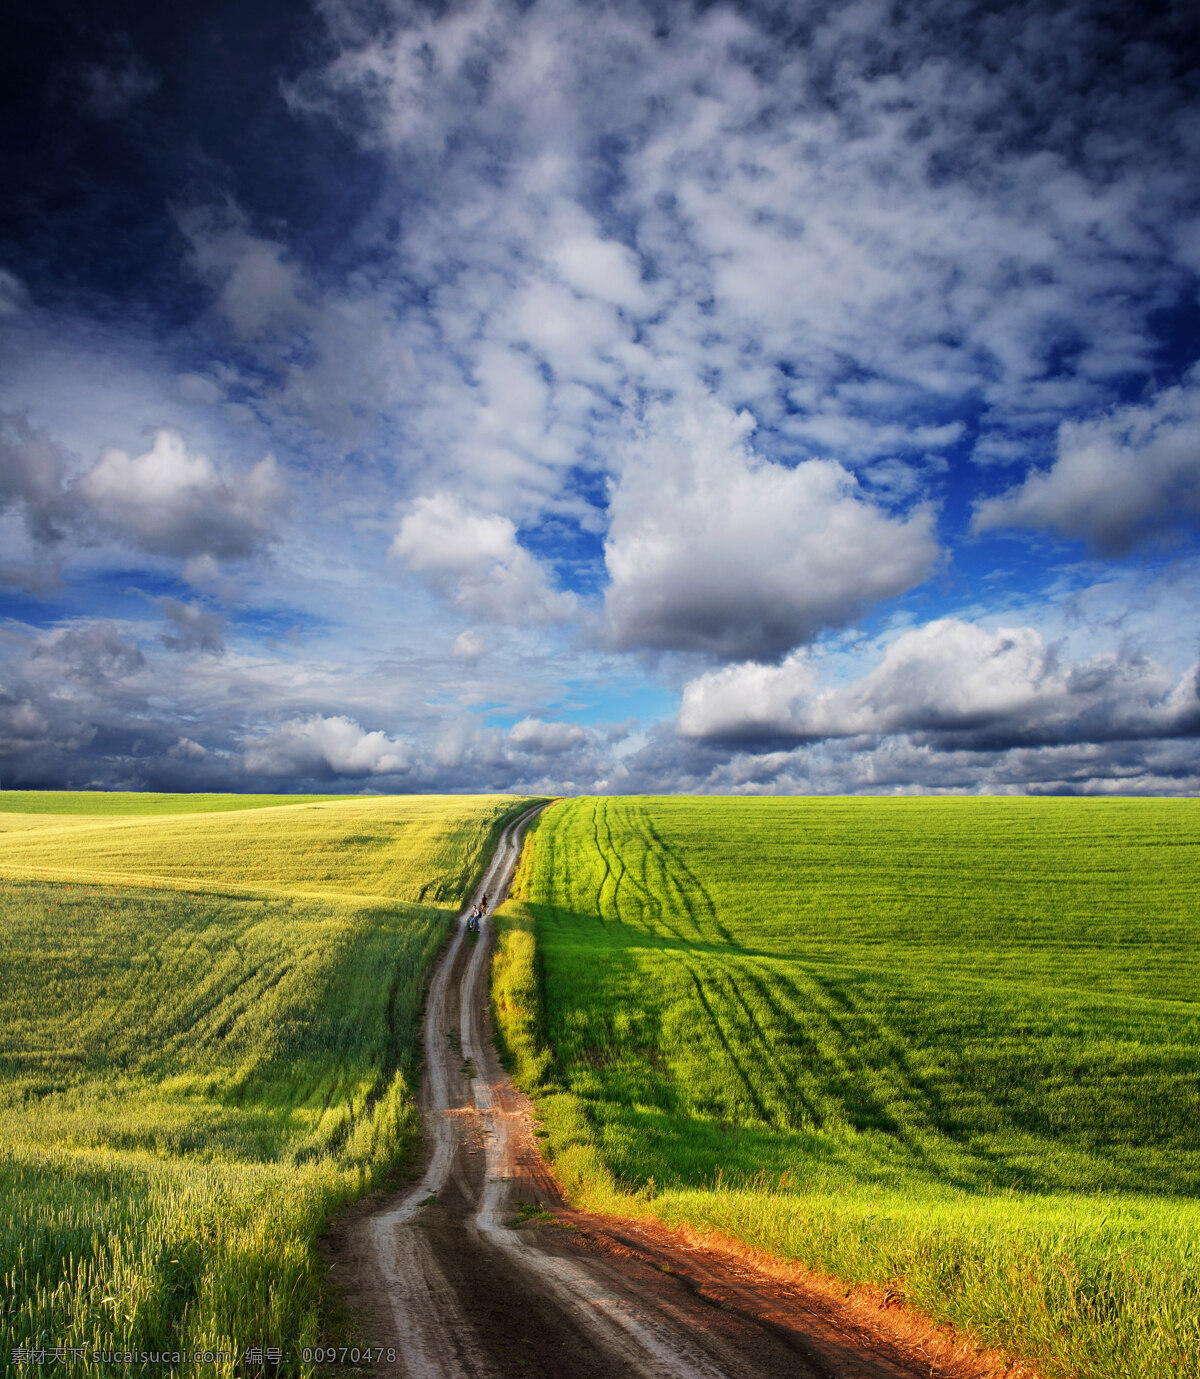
948,1047
197,1068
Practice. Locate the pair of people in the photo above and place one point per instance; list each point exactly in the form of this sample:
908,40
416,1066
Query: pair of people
477,913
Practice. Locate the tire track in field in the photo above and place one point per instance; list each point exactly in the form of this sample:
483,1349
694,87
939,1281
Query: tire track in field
783,1087
654,904
653,911
769,986
603,855
606,806
675,867
818,1005
734,1061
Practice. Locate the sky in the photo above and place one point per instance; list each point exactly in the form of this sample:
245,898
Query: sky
564,396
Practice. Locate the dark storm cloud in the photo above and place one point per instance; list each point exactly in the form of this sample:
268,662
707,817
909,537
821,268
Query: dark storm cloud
113,118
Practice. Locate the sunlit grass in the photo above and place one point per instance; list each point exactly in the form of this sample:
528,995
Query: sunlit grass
952,1047
198,1067
418,848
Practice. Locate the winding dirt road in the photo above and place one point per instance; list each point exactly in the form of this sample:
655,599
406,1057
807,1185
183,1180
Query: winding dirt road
463,1278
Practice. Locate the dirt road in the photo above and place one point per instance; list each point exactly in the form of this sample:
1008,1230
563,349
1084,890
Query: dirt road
462,1276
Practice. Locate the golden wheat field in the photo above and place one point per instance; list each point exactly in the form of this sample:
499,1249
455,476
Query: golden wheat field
209,1044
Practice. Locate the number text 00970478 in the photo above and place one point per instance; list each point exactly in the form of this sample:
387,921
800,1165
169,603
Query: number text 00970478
349,1354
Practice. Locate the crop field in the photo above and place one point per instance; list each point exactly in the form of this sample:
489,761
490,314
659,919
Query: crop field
949,1047
102,802
209,1034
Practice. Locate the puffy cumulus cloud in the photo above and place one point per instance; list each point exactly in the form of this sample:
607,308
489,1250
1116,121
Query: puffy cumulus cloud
954,684
188,750
475,560
469,645
712,548
539,738
175,502
82,706
602,268
1118,480
318,747
169,501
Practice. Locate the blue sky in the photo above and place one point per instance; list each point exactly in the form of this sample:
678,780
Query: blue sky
601,397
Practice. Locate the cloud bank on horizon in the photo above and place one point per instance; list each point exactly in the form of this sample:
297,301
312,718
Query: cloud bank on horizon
630,397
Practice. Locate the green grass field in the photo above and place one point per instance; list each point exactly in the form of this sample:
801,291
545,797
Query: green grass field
208,1044
951,1047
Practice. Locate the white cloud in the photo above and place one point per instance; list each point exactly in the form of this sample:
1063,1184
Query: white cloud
952,681
476,561
320,746
189,750
172,501
604,269
711,548
1118,480
468,645
540,738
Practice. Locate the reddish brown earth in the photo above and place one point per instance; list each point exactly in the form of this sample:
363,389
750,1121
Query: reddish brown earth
458,1278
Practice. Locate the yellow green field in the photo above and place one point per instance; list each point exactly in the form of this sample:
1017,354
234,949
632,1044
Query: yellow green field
951,1047
208,1045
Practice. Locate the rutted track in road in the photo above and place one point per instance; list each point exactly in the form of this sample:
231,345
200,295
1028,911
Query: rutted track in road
445,1274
